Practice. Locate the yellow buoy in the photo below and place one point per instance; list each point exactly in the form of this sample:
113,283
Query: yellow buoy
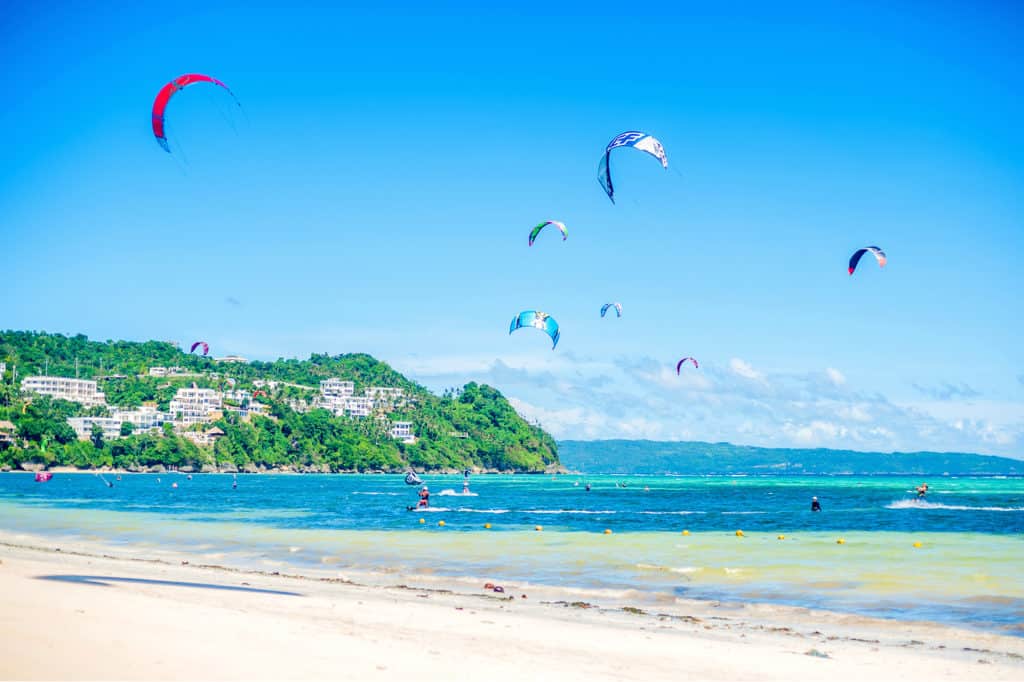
423,520
607,531
686,532
487,525
538,527
739,533
440,523
782,537
917,544
840,541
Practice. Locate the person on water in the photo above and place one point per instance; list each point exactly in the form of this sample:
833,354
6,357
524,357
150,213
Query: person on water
424,497
922,490
815,505
465,485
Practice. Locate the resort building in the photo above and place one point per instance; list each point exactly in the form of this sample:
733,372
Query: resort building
7,431
195,406
157,371
146,418
63,388
384,395
231,358
358,406
240,396
337,388
403,431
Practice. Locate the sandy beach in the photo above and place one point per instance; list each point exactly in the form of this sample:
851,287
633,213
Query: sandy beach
74,614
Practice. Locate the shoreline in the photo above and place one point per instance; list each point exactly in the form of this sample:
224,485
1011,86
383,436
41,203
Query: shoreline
555,635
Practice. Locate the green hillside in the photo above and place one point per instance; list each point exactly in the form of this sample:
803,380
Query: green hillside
471,427
694,458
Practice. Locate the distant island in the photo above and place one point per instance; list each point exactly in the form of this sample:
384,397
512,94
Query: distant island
696,458
66,401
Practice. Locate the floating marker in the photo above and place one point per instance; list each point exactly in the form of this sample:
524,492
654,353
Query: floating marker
607,531
841,541
487,525
782,537
739,533
423,520
538,527
917,544
440,523
686,532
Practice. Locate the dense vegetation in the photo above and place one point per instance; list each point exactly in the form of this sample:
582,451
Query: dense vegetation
469,427
655,457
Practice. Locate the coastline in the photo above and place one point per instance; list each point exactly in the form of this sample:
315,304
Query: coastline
143,617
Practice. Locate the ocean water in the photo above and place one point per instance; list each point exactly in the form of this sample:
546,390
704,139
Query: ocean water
968,569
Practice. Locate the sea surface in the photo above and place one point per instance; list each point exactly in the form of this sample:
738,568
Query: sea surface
968,569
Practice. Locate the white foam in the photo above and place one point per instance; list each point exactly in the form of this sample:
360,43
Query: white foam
922,504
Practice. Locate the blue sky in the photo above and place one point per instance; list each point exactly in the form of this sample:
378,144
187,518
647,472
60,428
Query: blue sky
376,190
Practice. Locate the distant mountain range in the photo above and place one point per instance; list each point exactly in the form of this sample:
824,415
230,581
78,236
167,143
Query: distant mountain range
658,457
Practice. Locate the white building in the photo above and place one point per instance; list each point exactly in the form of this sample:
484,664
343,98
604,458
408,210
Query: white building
358,406
353,406
337,388
157,371
145,418
385,394
194,405
265,383
240,396
403,431
3,367
231,358
300,406
76,390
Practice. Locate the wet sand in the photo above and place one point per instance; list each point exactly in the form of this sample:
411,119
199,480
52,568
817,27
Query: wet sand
76,614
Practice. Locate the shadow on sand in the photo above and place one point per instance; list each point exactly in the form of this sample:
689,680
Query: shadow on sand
105,580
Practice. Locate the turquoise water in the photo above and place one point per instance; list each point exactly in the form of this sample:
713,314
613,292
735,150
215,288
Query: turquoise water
967,570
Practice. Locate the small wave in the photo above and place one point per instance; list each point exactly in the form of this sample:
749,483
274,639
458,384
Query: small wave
468,510
678,513
685,570
390,494
449,492
569,511
921,504
744,512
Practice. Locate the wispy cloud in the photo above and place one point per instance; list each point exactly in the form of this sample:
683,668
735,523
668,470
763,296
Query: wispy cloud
231,300
946,391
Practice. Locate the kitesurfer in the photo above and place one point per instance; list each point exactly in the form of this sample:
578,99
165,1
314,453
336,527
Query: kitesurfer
815,505
922,490
465,485
588,488
424,497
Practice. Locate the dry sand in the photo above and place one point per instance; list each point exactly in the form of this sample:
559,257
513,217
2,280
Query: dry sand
158,620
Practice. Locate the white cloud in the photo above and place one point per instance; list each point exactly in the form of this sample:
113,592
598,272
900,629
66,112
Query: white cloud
640,397
743,369
835,376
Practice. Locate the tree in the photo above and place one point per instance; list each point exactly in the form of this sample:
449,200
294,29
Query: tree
127,428
97,436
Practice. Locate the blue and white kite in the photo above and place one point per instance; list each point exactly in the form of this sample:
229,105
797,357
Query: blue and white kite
631,138
537,320
617,306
